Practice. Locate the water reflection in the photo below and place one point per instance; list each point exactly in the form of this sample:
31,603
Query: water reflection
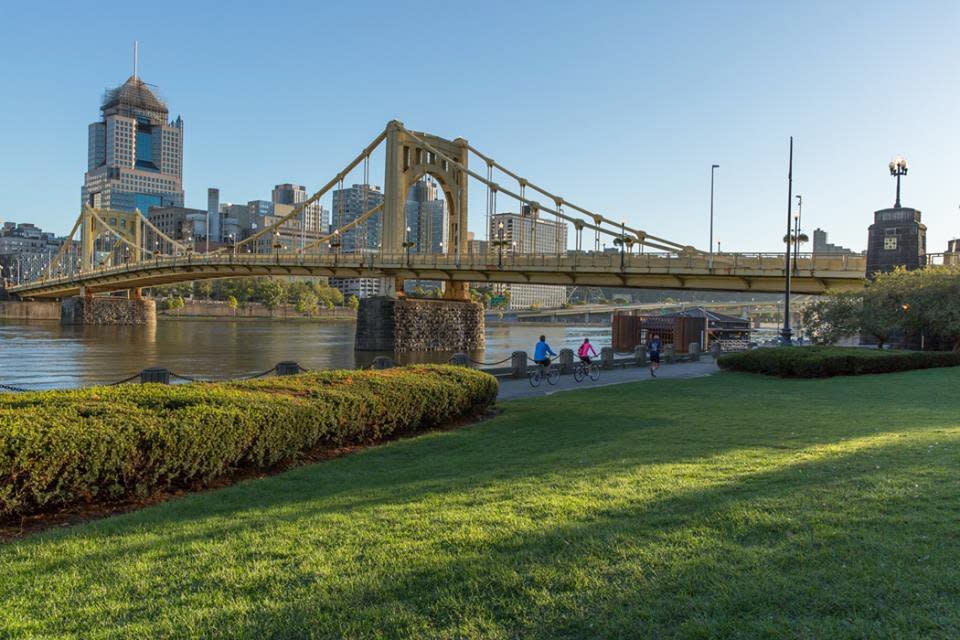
50,355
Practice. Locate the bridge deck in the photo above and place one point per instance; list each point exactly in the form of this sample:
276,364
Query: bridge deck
730,272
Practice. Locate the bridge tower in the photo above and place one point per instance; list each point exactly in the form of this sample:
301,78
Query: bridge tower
408,160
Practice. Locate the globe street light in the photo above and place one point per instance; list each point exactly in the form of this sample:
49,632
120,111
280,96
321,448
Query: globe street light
898,167
408,245
500,243
277,244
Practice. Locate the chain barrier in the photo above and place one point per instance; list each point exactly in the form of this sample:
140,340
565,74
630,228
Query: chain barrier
483,364
13,389
125,380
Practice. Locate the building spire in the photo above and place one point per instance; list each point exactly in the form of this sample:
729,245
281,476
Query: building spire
136,51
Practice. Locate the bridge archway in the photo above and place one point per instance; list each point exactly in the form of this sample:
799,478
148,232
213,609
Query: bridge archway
407,162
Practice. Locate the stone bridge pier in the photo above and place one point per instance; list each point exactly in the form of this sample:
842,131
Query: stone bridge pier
415,324
108,310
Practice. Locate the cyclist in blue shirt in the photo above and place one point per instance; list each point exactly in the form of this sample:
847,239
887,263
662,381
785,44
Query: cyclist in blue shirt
542,352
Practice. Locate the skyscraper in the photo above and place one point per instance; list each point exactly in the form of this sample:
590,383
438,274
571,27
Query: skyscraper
426,216
134,155
315,217
348,205
526,233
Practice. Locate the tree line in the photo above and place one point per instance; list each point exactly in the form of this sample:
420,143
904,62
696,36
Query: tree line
306,295
919,307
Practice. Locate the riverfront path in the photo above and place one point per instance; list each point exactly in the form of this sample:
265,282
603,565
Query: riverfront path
513,388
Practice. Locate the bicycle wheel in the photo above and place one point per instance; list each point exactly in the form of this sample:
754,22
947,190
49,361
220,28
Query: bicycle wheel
535,377
578,373
553,375
594,372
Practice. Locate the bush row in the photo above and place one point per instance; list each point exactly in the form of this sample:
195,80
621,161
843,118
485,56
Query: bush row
60,448
821,362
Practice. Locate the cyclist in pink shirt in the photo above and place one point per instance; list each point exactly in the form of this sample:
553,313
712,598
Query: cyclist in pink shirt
585,351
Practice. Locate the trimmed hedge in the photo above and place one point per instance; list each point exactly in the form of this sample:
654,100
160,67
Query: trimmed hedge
823,362
62,448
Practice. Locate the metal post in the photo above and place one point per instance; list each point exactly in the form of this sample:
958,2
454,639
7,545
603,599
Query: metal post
713,170
785,333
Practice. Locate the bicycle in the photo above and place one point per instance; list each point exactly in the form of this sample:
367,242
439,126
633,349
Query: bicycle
582,370
551,373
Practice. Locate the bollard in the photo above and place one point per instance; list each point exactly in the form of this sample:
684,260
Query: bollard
155,375
606,358
460,359
694,350
287,368
640,355
566,360
382,362
669,354
518,364
716,349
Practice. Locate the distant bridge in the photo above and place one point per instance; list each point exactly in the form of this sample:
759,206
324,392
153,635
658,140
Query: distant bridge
643,261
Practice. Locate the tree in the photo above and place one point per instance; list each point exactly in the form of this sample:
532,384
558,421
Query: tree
353,302
233,304
271,293
307,302
833,317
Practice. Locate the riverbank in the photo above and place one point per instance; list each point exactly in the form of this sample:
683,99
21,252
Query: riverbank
216,310
730,505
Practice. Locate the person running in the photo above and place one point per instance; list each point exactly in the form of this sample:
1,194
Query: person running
585,351
655,347
542,352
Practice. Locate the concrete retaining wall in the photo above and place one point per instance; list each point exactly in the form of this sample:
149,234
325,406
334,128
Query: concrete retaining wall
30,310
406,324
113,311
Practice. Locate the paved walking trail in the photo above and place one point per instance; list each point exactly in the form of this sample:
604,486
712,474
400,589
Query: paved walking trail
513,388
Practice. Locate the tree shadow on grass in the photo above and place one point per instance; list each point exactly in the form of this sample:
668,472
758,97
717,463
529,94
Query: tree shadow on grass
812,544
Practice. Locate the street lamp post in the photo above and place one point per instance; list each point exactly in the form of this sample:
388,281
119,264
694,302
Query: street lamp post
622,241
408,245
796,231
898,167
335,246
785,332
500,244
713,170
277,244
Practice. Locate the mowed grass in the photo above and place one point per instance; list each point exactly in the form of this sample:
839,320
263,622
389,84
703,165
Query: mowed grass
732,506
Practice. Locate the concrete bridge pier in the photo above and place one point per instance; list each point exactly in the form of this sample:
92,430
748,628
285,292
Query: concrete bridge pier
108,310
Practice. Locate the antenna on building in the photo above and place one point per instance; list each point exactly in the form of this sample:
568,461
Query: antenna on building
136,52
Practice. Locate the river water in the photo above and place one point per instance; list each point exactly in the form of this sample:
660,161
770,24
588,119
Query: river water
44,355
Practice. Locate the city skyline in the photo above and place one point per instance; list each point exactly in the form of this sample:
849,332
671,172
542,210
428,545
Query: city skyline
647,128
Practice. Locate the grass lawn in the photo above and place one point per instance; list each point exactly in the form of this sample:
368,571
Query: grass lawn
732,506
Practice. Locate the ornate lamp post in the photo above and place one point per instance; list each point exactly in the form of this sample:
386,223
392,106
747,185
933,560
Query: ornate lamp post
898,167
500,243
408,245
621,242
277,244
335,246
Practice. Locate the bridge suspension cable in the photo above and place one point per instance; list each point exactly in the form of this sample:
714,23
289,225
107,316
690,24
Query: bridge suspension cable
361,219
316,196
598,219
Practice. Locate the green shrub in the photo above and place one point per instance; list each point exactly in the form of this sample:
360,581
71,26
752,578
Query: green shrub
822,362
60,448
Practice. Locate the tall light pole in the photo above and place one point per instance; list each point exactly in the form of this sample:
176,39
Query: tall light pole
898,167
796,231
713,170
785,332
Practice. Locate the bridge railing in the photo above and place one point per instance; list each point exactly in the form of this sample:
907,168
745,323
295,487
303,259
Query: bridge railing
724,263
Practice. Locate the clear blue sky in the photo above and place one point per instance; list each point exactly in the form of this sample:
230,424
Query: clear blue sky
619,106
